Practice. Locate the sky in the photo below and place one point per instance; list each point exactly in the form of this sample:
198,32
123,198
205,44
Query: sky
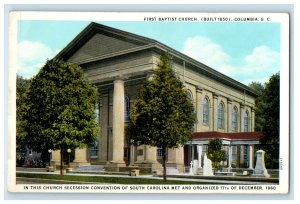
245,52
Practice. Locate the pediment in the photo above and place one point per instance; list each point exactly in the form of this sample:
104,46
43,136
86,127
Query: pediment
98,40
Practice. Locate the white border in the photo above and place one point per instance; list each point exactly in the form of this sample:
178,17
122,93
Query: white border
117,16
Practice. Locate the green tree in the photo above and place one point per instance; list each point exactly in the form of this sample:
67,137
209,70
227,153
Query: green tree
257,86
22,86
259,105
270,140
162,115
215,153
60,111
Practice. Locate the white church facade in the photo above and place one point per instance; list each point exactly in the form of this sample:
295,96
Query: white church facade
118,62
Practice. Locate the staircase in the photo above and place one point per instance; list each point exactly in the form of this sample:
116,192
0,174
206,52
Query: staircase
89,169
172,171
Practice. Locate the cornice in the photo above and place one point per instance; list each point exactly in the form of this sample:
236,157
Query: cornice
146,44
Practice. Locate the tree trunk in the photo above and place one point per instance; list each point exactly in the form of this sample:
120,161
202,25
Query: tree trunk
164,164
61,160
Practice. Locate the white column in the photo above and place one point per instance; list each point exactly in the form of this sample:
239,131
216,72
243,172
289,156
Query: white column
242,147
150,154
171,156
179,155
140,153
118,122
132,157
229,157
192,152
103,153
250,155
80,155
199,149
55,156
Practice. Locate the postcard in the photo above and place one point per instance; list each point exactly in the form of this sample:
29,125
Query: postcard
148,102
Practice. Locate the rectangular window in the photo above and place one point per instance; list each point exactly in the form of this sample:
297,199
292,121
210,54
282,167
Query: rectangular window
140,152
159,152
30,152
94,152
246,160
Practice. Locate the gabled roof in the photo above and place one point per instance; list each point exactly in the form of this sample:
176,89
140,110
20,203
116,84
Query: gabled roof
231,136
145,43
94,28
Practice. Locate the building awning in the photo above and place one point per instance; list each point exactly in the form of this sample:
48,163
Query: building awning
221,135
228,138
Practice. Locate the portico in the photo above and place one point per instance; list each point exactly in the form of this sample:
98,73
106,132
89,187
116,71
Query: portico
239,148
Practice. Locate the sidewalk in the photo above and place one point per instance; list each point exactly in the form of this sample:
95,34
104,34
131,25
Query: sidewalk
169,177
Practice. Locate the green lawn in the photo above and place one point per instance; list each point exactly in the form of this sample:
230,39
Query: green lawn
100,179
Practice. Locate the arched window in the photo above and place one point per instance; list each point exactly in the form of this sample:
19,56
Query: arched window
97,112
190,95
221,116
234,119
127,108
246,121
205,112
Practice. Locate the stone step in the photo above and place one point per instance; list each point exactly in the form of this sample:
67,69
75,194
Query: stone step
172,170
89,168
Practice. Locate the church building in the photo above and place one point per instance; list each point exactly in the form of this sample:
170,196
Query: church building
118,62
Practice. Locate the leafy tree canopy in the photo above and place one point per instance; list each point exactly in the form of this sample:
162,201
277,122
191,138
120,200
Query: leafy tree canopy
257,86
215,152
162,114
270,140
271,111
259,105
267,117
60,108
22,87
